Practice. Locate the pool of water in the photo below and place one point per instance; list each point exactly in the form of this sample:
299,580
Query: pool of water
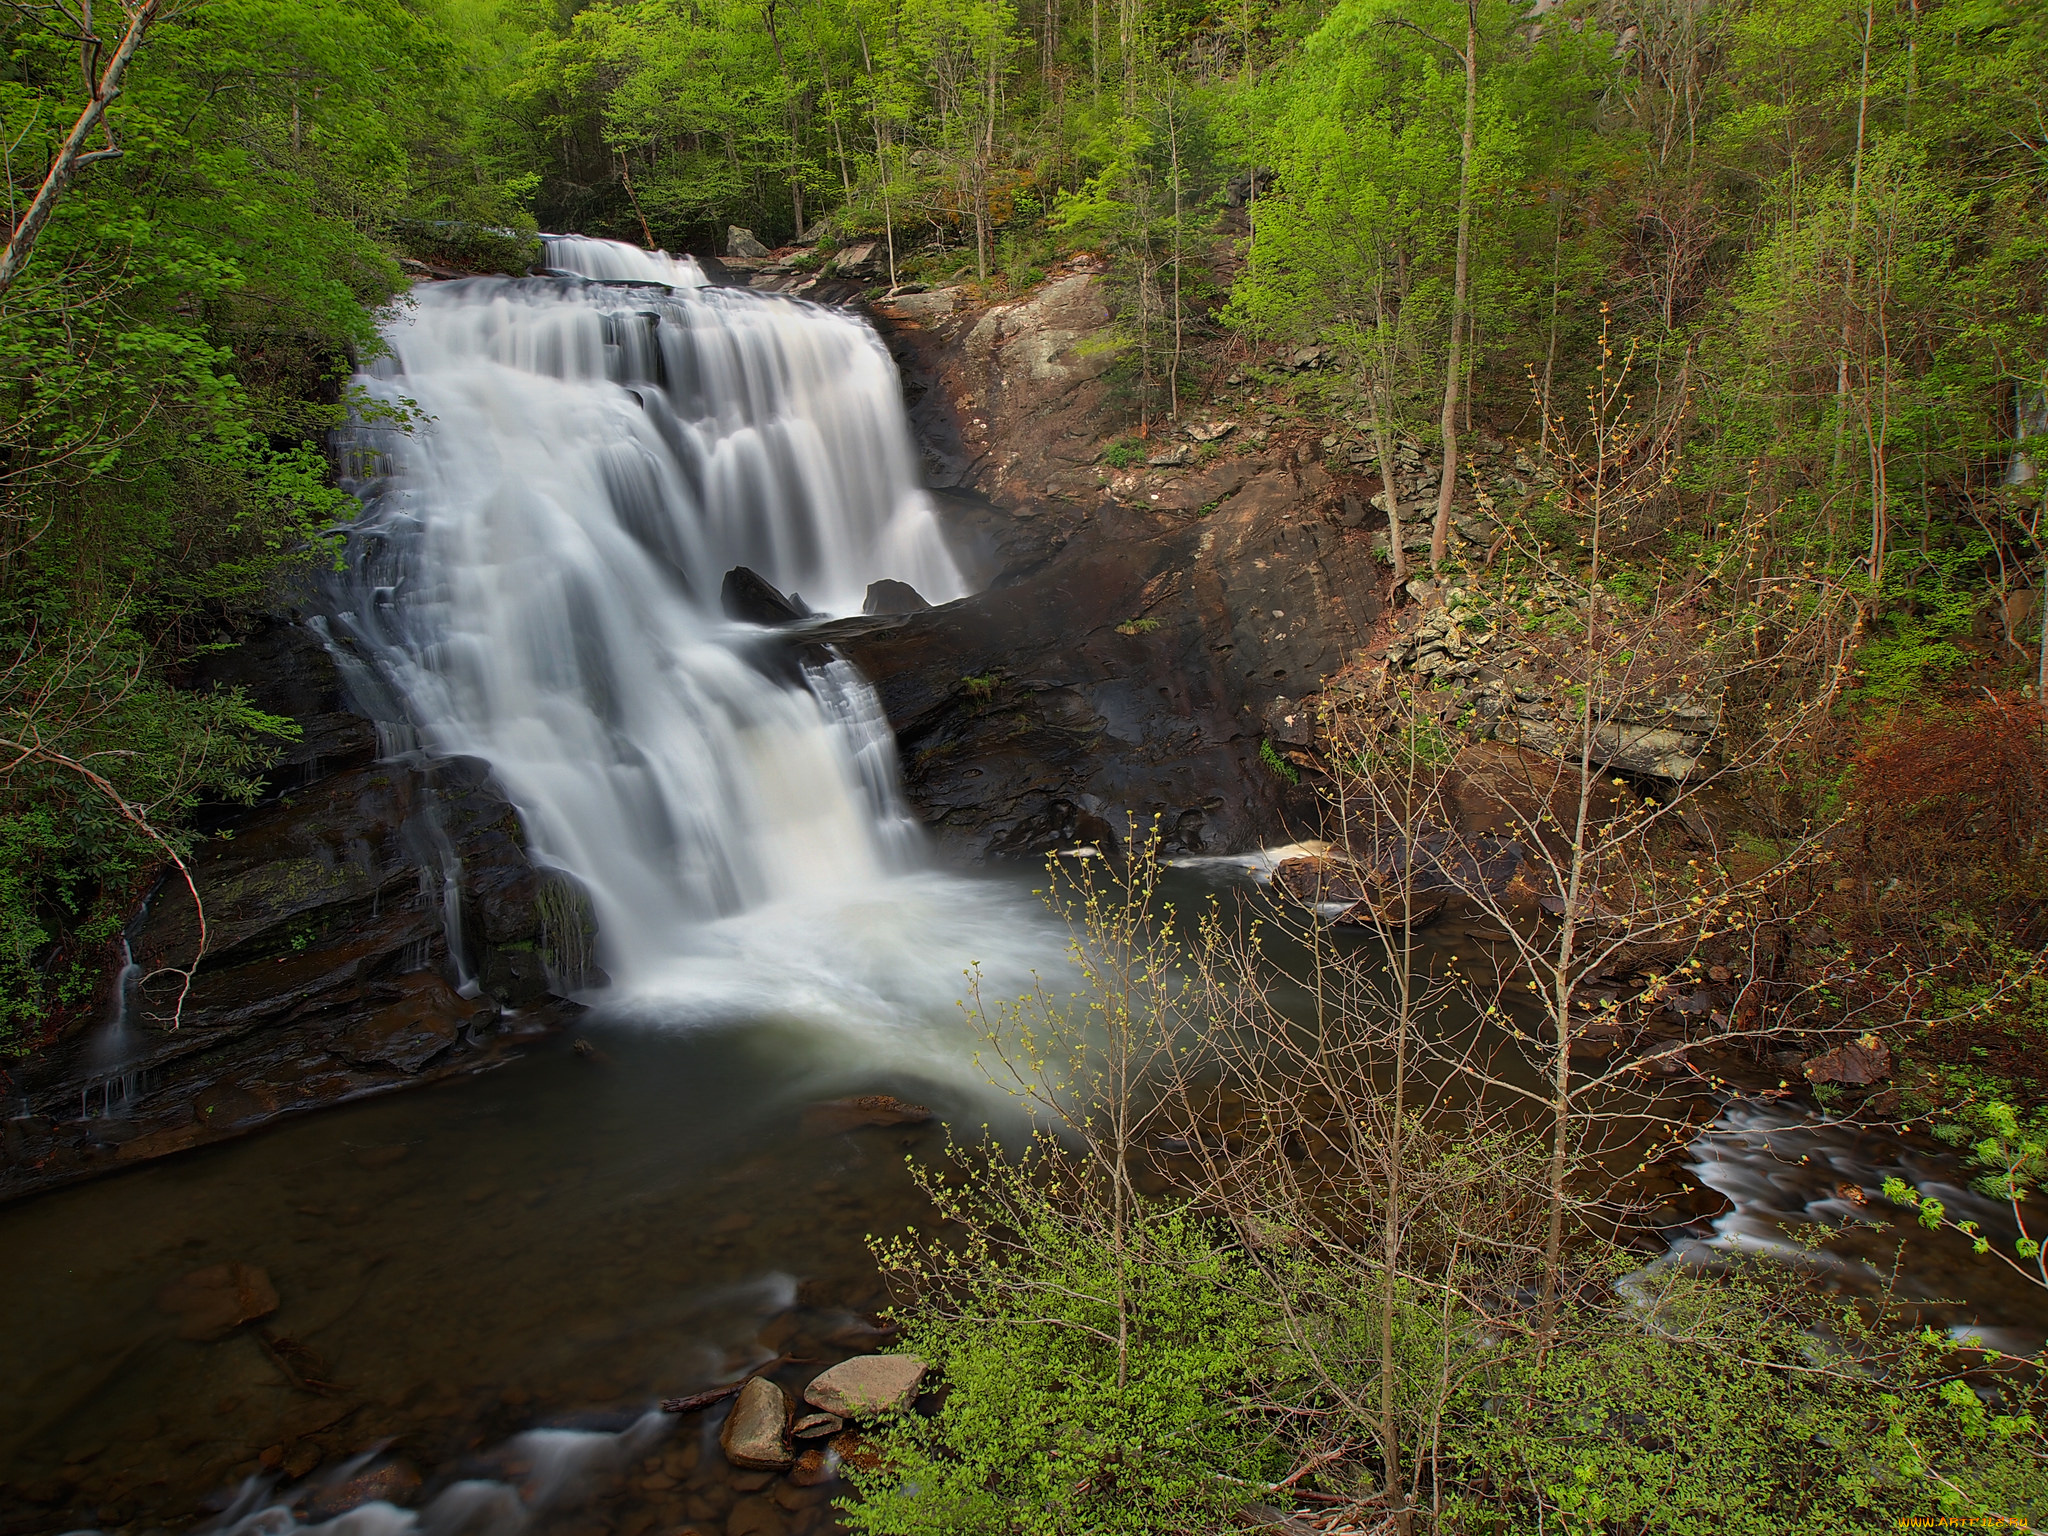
561,1242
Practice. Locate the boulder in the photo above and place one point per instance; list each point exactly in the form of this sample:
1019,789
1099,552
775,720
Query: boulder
1855,1065
756,1433
747,598
863,260
867,1385
887,596
212,1303
741,244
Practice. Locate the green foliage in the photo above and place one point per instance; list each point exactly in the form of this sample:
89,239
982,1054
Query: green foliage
1716,1421
1037,1434
1277,765
171,360
1126,453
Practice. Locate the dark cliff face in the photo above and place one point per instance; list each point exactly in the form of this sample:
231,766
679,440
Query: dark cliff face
328,971
1143,634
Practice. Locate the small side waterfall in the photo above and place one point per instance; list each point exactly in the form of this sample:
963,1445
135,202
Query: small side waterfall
535,578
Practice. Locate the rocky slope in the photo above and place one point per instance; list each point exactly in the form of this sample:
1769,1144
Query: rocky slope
329,971
1148,630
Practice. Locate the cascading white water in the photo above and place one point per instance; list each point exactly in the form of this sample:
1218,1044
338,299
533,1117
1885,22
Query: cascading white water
536,578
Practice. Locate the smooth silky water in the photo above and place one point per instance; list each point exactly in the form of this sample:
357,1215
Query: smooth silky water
494,1280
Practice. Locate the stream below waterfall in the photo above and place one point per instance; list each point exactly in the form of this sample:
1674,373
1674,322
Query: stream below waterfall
484,1286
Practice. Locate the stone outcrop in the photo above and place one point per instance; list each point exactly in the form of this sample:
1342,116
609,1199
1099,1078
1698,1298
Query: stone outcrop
329,971
1141,625
1506,681
1125,668
867,1385
1008,400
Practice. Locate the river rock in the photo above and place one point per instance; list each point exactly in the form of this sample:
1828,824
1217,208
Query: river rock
395,1482
1855,1065
742,245
756,1433
748,598
867,1385
818,1426
212,1303
887,596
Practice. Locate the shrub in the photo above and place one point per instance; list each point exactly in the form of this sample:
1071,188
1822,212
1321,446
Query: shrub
1037,1435
1726,1417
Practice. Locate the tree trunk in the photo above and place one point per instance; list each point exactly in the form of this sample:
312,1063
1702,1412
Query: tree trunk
1550,352
1173,153
1849,265
881,154
1439,537
72,155
1383,440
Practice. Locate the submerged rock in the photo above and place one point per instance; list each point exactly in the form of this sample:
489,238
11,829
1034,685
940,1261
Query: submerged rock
838,1115
1855,1065
867,1385
756,1433
212,1303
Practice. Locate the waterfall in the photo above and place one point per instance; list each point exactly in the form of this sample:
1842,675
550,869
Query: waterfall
557,472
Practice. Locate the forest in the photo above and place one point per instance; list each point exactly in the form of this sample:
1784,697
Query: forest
1769,276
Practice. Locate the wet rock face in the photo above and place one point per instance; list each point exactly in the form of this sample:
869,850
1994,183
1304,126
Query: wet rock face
328,971
1141,630
1129,671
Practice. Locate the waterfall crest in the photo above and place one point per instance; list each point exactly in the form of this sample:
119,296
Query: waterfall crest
536,571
